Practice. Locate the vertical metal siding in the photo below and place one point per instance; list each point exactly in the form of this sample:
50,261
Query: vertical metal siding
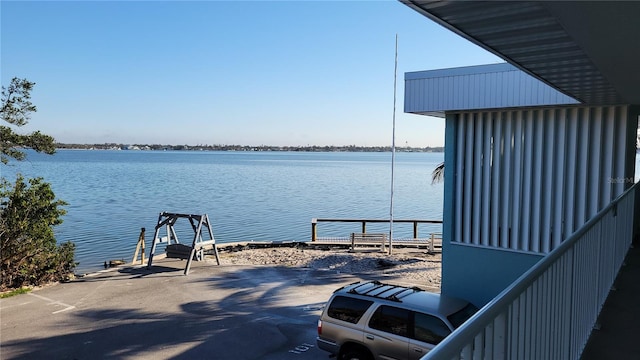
459,180
570,171
468,168
477,179
593,175
517,181
486,181
495,184
620,157
525,233
503,181
561,174
537,181
607,156
508,195
527,179
546,117
583,155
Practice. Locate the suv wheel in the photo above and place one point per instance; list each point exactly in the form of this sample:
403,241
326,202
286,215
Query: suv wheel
355,354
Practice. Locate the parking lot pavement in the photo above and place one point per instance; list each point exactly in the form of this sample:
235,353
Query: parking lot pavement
216,312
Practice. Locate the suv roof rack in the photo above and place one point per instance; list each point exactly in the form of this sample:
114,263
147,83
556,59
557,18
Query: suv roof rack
384,288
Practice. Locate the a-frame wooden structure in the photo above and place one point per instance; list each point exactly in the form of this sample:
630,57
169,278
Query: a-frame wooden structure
196,250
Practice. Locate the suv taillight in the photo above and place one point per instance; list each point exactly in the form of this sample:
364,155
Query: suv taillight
319,327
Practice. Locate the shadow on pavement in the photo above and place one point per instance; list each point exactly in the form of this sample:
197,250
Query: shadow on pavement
241,313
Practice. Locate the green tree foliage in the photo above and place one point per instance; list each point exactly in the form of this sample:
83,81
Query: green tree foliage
16,111
29,253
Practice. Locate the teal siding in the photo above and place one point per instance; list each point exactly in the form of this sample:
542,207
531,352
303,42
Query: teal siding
473,273
479,274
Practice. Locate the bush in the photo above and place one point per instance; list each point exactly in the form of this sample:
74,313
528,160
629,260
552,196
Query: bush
29,253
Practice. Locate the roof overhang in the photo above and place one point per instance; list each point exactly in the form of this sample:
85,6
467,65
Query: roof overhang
587,50
479,87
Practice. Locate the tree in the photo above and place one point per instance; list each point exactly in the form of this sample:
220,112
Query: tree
29,253
16,110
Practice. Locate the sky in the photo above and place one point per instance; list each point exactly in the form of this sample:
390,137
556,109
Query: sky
281,73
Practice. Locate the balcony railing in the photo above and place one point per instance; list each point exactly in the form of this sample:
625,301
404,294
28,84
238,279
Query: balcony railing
549,312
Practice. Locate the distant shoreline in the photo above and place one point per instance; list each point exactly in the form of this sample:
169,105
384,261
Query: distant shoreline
158,147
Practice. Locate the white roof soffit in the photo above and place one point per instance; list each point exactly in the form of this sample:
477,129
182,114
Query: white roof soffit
588,50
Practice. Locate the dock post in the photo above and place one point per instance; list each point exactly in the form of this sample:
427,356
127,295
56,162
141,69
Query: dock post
432,247
314,229
415,229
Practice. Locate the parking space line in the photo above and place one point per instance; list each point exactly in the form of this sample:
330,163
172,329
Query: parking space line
54,302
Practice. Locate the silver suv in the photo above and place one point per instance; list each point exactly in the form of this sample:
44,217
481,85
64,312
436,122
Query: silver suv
372,320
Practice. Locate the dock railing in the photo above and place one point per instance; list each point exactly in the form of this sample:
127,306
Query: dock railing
549,312
429,237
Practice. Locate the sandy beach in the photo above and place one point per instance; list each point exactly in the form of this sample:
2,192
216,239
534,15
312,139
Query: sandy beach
405,265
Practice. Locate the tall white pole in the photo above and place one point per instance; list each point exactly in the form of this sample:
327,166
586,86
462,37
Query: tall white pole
393,147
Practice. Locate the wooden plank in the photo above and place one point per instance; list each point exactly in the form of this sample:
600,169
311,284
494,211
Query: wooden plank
139,246
213,241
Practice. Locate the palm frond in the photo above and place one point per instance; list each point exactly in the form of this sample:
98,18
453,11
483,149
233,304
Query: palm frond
438,174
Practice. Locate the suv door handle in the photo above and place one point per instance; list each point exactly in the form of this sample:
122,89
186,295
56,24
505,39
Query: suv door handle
418,350
369,336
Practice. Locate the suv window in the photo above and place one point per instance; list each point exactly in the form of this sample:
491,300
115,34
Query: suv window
430,329
390,319
348,309
458,318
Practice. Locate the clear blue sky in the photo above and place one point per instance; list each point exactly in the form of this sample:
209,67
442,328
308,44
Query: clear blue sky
221,72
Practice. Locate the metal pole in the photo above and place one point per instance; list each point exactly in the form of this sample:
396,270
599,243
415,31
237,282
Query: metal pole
393,147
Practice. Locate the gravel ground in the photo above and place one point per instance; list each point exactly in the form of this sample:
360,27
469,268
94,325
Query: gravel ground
407,266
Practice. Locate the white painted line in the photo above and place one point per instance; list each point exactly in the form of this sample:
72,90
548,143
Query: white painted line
11,306
54,302
65,309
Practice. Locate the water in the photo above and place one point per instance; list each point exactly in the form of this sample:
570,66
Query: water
259,196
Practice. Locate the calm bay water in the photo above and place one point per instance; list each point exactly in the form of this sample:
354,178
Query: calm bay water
259,196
